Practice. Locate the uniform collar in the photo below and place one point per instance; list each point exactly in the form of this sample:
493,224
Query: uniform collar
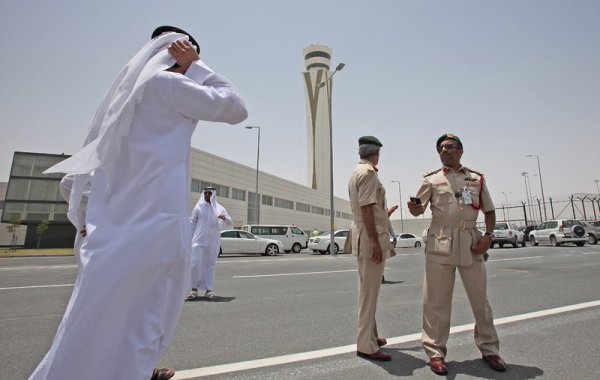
446,169
367,162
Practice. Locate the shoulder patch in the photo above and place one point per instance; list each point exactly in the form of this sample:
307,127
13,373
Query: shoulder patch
431,172
474,171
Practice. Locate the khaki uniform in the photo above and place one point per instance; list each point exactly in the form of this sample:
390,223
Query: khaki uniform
364,189
449,240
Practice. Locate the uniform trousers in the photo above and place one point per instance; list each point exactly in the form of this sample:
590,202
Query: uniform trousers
369,283
437,306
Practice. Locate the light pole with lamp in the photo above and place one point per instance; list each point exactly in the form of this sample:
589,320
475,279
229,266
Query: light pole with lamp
256,197
400,205
329,85
506,203
541,184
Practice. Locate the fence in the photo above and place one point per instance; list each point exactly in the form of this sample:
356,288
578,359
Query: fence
578,206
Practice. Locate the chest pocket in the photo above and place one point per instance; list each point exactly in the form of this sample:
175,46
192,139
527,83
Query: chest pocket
444,196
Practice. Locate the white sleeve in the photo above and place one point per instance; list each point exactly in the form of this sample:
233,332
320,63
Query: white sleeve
201,94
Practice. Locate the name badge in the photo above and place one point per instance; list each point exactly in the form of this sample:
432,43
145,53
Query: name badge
467,197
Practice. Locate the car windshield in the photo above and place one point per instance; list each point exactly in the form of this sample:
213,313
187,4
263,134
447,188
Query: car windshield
501,226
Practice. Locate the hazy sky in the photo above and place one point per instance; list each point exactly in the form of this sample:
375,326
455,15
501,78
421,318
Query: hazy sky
508,77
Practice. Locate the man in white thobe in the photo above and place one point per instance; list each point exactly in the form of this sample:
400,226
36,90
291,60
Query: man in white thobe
208,216
134,269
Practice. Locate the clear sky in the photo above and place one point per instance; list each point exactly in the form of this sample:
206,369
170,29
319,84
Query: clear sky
508,77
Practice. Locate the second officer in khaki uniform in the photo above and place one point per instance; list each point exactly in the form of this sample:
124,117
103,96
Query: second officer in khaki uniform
369,241
456,195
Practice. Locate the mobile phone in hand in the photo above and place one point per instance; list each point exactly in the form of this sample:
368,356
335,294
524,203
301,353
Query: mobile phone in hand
415,200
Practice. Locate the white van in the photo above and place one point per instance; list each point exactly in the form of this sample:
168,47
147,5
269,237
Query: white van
292,237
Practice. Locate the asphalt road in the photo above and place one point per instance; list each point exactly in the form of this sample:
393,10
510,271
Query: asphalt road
293,317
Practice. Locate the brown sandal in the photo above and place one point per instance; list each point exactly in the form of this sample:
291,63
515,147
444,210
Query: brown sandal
162,374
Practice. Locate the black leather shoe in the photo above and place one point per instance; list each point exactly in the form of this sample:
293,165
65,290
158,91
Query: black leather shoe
438,365
379,356
495,362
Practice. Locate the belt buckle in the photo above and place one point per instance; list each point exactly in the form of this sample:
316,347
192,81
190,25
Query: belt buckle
462,225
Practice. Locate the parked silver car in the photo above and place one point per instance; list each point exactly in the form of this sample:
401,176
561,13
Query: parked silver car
557,232
236,241
593,231
507,233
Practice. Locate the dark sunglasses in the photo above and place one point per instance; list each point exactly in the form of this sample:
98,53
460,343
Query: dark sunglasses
447,147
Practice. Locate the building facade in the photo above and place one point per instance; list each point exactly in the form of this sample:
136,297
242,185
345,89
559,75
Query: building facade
33,197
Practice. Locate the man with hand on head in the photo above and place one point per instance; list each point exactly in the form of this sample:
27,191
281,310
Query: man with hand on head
135,259
369,241
208,216
456,195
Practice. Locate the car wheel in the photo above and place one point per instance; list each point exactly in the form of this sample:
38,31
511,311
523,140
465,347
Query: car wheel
580,243
515,243
296,248
553,241
532,241
336,248
524,242
272,249
592,239
220,251
501,245
417,244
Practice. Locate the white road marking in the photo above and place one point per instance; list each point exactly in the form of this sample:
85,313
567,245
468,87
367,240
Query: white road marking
319,354
517,258
38,267
37,286
295,274
591,253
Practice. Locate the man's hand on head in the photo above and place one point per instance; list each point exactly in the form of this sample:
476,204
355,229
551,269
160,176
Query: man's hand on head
184,53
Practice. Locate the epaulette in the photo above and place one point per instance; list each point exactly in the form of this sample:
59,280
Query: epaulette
474,171
431,172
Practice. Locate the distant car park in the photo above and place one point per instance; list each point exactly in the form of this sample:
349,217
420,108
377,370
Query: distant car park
237,241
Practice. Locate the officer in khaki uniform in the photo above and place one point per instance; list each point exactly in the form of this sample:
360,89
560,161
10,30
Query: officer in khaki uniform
456,195
369,241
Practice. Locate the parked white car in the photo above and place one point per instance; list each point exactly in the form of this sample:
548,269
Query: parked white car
508,233
236,241
557,232
292,237
407,240
321,243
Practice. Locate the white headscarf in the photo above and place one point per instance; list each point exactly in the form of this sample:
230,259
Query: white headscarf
113,119
115,113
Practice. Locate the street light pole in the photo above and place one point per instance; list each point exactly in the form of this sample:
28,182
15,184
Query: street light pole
329,84
256,197
597,186
506,203
541,184
400,205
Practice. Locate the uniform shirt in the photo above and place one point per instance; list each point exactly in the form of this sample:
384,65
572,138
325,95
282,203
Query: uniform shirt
365,189
452,231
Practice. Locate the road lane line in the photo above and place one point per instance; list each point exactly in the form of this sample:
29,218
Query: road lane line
517,258
295,274
38,267
37,286
319,354
591,253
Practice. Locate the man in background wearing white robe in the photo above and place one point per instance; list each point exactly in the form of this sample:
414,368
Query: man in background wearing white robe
208,216
135,260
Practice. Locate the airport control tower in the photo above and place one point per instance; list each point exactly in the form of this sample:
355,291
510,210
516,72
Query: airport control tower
317,60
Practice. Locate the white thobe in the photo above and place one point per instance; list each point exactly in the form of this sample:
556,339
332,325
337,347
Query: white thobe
206,241
135,260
